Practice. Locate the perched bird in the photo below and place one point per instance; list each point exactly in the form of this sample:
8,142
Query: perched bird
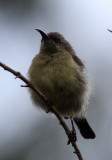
60,74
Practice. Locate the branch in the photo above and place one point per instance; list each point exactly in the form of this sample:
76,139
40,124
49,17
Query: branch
45,99
109,30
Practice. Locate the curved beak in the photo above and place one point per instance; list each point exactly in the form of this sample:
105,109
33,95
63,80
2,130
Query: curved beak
44,36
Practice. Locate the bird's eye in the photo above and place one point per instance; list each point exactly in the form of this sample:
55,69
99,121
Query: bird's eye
59,41
56,40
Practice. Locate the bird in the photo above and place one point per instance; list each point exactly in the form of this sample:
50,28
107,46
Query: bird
61,75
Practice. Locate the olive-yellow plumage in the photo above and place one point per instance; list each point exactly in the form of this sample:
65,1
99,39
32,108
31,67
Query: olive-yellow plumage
59,74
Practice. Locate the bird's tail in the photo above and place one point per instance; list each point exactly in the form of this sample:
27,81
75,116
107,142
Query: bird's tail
85,129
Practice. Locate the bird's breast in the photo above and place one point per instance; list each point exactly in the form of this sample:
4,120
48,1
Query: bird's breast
58,77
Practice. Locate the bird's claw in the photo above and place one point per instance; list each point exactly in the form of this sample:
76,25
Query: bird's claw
72,137
49,105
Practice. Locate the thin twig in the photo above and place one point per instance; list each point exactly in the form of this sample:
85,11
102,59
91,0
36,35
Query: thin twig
45,99
109,30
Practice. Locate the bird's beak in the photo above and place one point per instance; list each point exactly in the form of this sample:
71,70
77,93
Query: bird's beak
44,36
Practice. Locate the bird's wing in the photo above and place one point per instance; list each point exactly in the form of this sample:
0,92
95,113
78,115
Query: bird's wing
78,60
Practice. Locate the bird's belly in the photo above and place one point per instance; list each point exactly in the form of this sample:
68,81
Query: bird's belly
62,86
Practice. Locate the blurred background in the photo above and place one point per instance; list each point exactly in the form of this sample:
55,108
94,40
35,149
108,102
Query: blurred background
25,132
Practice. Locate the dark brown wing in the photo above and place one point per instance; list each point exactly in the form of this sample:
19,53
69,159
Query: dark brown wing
78,60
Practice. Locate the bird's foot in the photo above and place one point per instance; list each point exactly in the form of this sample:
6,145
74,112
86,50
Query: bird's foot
49,105
72,137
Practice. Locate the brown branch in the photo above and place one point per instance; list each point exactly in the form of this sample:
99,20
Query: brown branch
109,30
45,99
